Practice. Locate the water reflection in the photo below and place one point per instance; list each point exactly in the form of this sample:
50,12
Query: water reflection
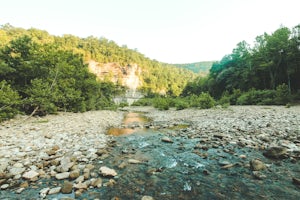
132,122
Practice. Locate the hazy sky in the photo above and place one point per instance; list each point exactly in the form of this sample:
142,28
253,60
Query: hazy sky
173,31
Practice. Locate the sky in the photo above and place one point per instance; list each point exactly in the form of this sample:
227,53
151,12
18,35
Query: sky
171,31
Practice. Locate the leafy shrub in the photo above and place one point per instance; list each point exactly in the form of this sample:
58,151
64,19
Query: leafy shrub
203,101
225,100
161,103
9,101
181,104
143,102
257,97
282,95
206,101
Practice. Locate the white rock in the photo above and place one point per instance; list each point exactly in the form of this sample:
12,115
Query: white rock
44,192
105,171
30,175
54,190
133,161
63,175
4,186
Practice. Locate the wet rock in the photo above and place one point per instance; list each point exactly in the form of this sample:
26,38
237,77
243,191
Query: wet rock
258,175
242,156
82,186
74,174
166,139
63,175
31,175
276,152
105,171
86,173
219,136
228,166
206,172
20,190
4,186
54,190
296,181
110,183
96,182
122,165
147,198
79,179
257,165
133,161
43,193
24,184
67,187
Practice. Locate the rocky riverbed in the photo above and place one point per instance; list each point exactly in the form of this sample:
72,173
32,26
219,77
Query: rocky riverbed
243,152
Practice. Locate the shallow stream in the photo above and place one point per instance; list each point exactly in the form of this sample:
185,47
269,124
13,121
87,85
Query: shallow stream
149,165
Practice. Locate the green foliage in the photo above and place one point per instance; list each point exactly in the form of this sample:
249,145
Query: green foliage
225,100
203,101
257,97
161,103
273,61
143,102
181,104
9,101
282,94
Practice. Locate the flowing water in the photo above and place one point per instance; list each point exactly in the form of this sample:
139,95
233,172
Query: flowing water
148,166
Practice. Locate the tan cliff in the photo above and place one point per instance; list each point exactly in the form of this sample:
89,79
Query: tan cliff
127,76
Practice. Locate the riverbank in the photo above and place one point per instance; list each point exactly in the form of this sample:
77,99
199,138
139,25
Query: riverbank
215,153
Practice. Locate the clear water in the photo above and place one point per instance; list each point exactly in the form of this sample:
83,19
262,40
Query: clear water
175,171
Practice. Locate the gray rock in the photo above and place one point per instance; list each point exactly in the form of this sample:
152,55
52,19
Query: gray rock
16,171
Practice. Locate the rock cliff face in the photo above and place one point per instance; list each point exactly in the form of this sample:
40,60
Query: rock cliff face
125,75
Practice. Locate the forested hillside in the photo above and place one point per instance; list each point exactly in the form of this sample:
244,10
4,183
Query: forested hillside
201,68
45,73
267,73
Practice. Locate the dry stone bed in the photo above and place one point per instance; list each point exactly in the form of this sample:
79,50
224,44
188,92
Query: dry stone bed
61,146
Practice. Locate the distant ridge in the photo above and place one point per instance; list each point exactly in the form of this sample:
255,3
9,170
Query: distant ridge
197,67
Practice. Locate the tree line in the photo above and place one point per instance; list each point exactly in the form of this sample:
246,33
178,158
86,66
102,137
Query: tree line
267,73
41,73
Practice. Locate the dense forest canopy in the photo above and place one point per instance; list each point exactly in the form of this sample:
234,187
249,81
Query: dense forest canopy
273,63
45,73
